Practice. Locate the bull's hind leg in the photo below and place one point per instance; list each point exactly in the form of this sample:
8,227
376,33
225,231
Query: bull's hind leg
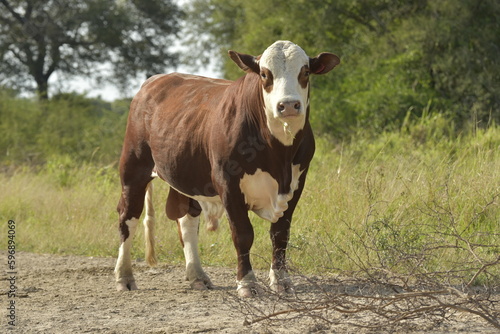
186,212
123,271
188,233
135,173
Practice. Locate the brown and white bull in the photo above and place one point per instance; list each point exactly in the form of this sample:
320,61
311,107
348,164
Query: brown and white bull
221,146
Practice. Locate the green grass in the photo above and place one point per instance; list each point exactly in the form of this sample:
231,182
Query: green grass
406,201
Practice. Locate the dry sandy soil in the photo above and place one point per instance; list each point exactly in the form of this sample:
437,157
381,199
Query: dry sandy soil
74,294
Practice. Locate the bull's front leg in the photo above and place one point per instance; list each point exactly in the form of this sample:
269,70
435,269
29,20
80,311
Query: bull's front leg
280,234
243,235
278,275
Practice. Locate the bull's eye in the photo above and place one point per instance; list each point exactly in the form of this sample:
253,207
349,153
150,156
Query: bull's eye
306,73
263,75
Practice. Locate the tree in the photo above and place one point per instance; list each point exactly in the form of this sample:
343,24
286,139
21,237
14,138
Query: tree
399,58
40,37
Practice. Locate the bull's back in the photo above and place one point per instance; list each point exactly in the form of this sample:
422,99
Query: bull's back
180,99
178,112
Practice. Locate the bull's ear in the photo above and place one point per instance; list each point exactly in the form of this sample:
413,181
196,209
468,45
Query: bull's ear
247,63
323,63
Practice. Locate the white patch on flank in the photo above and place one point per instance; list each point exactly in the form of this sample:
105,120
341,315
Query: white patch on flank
285,60
123,268
261,193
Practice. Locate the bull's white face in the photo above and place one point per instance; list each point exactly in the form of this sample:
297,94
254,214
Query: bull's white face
284,70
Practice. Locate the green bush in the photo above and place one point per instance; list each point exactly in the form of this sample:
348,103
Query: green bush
68,127
397,57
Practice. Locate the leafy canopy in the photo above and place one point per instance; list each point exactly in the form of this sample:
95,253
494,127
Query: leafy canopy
39,37
399,58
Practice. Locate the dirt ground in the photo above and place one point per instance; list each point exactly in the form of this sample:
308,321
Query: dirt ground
74,294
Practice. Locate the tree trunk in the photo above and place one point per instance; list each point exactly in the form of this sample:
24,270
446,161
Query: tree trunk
42,89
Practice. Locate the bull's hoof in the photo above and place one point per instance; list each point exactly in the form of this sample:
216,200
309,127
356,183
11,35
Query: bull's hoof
202,284
248,287
282,288
280,282
126,286
248,292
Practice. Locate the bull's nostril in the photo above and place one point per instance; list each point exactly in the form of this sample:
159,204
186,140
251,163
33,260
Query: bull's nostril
288,107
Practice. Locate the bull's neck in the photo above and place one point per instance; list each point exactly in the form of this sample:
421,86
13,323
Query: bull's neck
284,130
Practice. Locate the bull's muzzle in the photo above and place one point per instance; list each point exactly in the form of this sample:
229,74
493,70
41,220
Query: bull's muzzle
289,108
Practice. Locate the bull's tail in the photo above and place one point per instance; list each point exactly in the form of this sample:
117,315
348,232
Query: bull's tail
149,226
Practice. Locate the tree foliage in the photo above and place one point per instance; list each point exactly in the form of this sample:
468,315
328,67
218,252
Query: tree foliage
39,37
399,59
67,126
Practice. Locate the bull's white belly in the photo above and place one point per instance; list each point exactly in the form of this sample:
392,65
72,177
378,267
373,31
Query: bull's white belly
211,206
261,193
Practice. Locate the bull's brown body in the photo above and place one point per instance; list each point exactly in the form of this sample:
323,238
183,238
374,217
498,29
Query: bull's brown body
211,141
